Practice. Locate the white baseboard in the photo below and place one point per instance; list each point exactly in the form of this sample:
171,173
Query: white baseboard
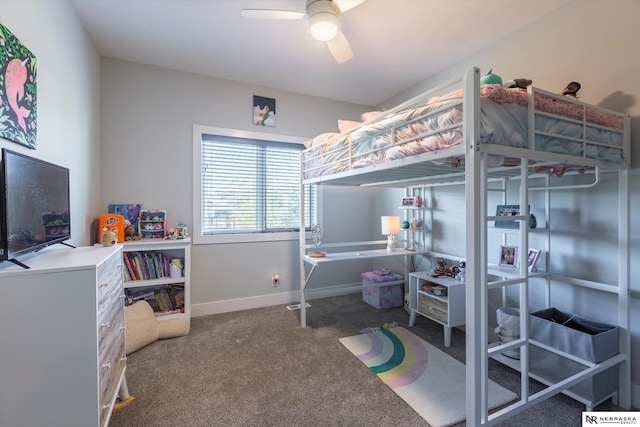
283,298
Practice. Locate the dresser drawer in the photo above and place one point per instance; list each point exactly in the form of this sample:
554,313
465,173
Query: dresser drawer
111,370
434,308
109,328
109,279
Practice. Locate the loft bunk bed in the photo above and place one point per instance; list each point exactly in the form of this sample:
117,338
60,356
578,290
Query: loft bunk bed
468,134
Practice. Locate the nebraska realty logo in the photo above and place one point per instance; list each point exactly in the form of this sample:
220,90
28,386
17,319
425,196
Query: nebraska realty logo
609,419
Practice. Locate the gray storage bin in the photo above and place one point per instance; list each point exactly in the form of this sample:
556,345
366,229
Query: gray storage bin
586,339
508,329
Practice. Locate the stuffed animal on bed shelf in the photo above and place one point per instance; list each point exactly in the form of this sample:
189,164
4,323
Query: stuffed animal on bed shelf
490,78
571,89
517,83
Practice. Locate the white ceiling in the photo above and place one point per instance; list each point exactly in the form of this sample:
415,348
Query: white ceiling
396,43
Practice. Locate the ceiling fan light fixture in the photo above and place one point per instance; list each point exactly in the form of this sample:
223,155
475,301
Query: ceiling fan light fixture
323,26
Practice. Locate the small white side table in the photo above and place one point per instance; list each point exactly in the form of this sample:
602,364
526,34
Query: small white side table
447,310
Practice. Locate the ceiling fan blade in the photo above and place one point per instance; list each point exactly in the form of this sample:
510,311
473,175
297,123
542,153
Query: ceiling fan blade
339,47
271,14
344,5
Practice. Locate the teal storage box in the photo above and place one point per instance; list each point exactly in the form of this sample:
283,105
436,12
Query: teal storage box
383,290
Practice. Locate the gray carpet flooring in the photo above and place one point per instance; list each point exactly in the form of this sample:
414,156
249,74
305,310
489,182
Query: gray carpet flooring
260,368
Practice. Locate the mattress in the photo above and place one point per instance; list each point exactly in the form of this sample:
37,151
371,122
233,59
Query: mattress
562,126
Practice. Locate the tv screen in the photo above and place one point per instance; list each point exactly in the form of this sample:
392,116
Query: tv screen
35,205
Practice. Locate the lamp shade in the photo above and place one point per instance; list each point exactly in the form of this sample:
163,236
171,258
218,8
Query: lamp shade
390,225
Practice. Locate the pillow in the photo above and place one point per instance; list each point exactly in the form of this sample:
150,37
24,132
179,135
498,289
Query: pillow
345,125
320,139
370,115
172,328
141,326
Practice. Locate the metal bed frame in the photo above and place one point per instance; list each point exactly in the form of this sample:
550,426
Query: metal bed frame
475,175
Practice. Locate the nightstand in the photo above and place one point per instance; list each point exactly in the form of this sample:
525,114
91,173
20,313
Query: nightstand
446,308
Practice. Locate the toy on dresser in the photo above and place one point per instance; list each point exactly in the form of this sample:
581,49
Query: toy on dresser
443,269
130,232
152,223
110,223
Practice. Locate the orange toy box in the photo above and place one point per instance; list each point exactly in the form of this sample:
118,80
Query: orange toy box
111,222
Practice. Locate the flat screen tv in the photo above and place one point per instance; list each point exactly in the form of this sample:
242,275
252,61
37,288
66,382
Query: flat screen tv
34,205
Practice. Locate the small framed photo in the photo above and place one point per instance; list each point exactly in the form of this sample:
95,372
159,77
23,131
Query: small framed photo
264,111
407,202
508,256
532,259
507,210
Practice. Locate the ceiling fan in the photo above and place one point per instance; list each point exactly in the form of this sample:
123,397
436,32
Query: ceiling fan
324,22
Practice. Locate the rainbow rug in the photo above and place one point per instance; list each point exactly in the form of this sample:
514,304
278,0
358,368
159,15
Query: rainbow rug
429,380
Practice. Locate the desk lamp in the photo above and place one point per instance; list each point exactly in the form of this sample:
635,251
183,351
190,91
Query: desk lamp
391,227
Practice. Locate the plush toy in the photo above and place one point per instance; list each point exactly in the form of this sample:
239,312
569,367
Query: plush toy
571,89
142,328
490,79
517,83
108,237
130,232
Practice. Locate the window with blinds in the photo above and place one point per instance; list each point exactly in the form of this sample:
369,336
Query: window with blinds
251,186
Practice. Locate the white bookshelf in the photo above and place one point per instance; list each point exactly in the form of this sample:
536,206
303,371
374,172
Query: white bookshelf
180,249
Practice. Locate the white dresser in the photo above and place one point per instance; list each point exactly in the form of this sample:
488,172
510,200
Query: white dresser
62,357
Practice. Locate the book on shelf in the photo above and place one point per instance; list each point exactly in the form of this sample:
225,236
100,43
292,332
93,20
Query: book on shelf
128,263
139,272
176,293
162,296
127,276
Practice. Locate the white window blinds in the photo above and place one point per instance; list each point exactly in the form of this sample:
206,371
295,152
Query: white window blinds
251,186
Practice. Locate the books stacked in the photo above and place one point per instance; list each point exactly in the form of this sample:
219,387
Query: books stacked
146,265
164,299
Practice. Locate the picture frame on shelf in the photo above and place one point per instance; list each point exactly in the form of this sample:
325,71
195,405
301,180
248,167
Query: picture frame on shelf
508,256
532,259
130,212
506,211
407,202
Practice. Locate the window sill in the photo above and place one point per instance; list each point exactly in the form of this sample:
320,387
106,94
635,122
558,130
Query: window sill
244,238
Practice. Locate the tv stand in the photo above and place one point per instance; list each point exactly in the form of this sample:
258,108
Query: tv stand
18,263
25,266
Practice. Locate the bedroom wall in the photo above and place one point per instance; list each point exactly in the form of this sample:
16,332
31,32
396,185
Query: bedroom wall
592,42
68,92
147,119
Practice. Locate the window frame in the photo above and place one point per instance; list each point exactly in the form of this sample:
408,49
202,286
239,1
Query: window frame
197,237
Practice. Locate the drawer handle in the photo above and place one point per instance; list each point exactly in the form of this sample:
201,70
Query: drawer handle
103,285
106,406
106,365
122,328
105,325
